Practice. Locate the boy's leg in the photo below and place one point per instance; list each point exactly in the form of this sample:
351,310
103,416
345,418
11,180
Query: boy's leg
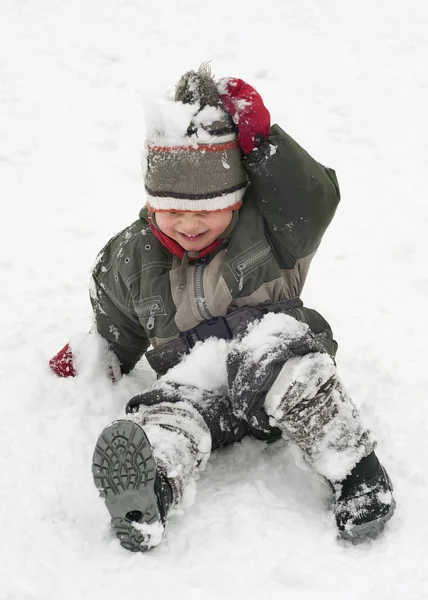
308,401
145,467
184,424
287,380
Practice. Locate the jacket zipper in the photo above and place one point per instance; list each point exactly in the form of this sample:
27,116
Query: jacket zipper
249,262
201,302
154,309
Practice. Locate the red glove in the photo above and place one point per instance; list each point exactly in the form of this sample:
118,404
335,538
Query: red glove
62,363
246,108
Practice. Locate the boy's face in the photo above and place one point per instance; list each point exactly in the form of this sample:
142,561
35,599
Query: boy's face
194,231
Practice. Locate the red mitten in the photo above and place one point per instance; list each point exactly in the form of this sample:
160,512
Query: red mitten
246,108
62,363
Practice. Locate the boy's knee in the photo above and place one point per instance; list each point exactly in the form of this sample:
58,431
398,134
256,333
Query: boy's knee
320,335
303,384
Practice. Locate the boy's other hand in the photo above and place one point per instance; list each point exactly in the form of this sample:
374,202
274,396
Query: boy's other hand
62,363
245,105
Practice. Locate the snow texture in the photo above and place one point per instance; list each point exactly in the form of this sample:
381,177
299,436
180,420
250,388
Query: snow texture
349,81
167,122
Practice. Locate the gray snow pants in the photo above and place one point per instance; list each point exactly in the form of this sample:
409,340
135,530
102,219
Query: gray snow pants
280,378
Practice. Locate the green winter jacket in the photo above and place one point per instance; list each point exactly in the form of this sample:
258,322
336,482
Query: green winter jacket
288,205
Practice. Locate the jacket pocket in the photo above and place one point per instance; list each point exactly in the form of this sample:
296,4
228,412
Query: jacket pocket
148,309
248,261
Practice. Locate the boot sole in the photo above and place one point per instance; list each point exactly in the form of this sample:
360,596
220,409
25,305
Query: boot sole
124,472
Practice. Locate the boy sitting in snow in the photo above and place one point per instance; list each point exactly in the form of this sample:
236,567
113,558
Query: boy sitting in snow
235,212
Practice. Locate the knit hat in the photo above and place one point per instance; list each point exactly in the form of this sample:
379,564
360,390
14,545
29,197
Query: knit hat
194,162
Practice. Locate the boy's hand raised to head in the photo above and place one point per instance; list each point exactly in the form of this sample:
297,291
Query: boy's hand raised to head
246,108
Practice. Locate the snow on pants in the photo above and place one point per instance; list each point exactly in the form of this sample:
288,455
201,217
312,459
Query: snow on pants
276,379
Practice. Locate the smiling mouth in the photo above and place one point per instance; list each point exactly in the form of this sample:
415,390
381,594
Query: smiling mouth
192,237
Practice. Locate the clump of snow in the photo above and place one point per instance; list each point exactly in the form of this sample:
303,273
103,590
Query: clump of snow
204,367
153,533
223,84
167,122
263,335
385,497
207,116
92,355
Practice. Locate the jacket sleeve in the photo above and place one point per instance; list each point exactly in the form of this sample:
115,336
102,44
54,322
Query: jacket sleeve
114,321
296,195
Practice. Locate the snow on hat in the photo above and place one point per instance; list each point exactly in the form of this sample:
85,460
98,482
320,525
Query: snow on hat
194,162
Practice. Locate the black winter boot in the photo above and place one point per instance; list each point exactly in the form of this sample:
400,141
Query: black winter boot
136,495
364,501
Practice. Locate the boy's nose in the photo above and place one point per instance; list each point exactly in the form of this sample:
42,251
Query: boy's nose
191,222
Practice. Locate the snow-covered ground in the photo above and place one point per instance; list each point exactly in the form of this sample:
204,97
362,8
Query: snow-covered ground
349,80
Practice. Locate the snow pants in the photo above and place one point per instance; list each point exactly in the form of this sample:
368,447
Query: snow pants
278,379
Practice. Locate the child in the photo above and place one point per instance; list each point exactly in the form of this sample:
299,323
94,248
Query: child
216,263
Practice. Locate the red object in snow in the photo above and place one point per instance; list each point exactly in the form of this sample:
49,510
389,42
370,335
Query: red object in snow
62,363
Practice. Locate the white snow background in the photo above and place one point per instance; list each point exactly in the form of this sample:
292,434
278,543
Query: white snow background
348,80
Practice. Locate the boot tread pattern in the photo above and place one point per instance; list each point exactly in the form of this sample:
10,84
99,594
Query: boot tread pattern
120,464
124,472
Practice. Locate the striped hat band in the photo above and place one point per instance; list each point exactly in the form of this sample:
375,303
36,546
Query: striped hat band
203,177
